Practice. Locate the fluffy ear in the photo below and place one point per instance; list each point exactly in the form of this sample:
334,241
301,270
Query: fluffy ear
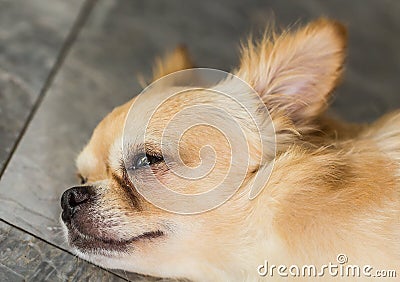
178,59
296,71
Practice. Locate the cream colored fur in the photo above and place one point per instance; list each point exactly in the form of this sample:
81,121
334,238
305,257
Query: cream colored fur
335,187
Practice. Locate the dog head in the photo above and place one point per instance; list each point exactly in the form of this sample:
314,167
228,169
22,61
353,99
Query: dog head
108,221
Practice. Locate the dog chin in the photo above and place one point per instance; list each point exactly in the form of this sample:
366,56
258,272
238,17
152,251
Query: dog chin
100,256
104,258
104,252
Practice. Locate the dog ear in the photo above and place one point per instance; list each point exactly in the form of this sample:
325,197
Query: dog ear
178,59
296,71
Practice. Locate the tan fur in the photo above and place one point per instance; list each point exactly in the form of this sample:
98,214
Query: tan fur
178,59
335,187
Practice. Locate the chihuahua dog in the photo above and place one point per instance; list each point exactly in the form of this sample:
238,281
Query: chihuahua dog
334,190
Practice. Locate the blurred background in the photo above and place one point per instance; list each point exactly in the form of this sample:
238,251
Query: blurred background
65,64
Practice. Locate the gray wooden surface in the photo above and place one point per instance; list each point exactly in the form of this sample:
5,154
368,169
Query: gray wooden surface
65,64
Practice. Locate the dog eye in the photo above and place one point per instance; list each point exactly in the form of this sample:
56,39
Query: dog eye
143,160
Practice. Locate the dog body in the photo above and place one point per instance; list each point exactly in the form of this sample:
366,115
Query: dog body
334,188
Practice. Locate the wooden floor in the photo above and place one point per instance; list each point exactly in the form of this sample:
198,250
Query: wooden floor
65,64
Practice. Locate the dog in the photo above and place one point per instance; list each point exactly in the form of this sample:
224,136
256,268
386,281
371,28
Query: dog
333,192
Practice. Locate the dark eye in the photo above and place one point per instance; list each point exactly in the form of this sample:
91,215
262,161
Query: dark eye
143,160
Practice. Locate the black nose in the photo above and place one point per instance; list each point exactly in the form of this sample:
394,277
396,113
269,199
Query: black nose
72,198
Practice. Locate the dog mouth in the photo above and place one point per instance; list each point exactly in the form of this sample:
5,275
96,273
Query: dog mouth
93,244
